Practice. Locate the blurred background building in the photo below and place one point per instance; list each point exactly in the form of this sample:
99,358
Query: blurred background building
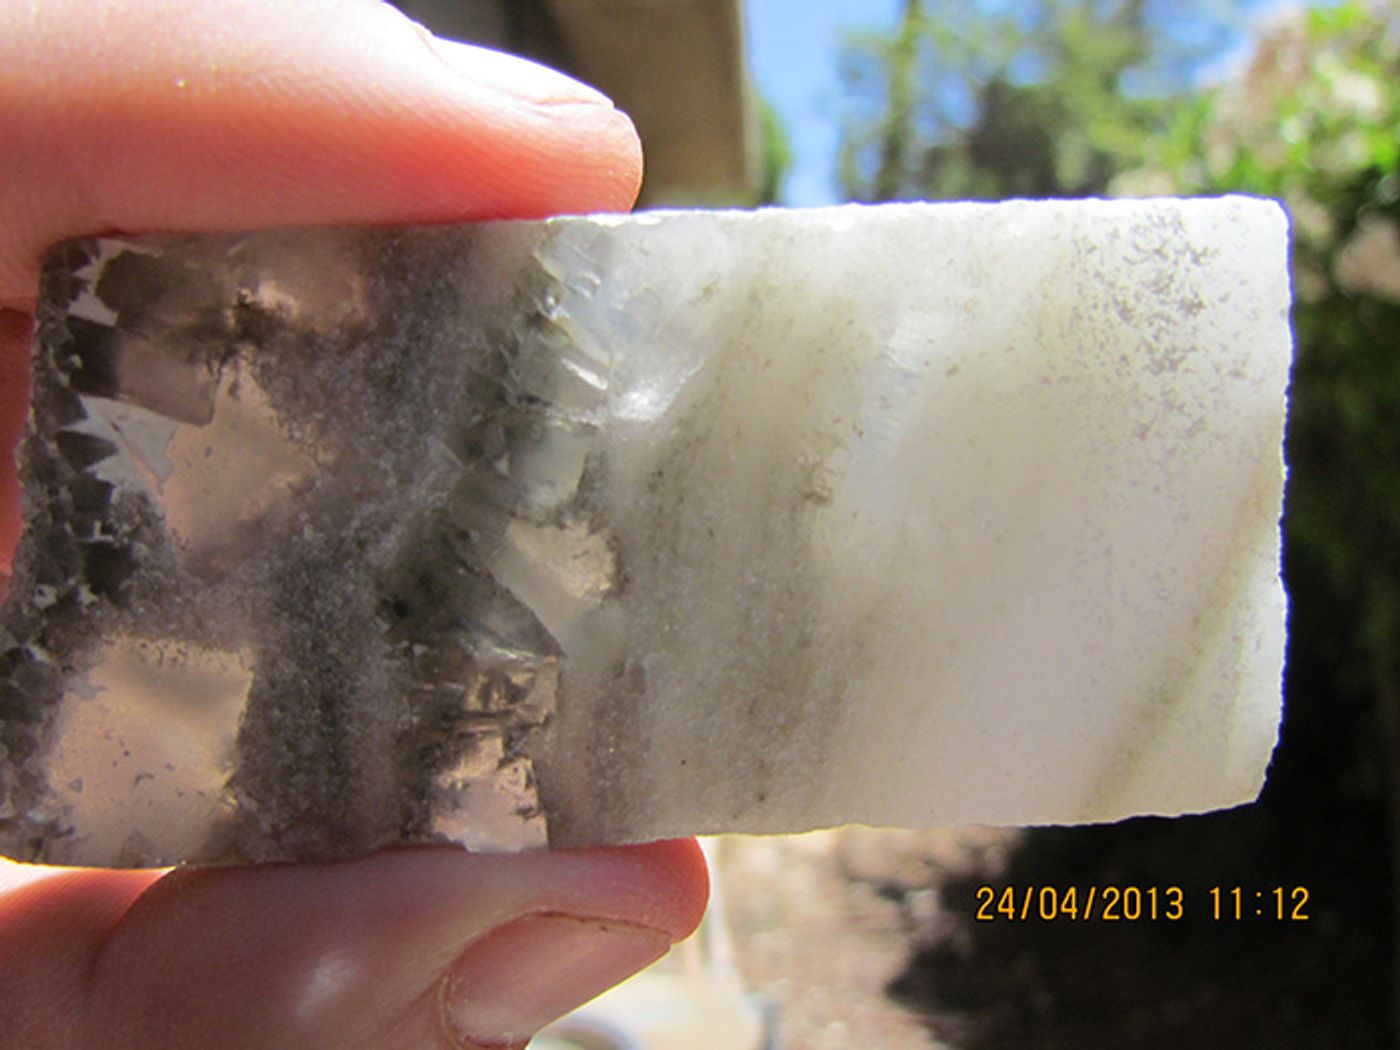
677,67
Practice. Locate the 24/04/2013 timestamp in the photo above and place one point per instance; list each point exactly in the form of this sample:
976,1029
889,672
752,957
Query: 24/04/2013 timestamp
1139,904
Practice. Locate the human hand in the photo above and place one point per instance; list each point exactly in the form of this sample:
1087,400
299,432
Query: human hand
230,114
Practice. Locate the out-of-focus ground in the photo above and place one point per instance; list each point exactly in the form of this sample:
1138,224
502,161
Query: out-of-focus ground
857,938
870,940
824,923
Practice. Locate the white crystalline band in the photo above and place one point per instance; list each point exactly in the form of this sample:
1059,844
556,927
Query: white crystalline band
959,514
616,528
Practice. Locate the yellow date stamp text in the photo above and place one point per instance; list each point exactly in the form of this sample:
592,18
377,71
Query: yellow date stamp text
1110,903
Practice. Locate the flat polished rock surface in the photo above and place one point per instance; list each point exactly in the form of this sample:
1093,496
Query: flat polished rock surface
607,529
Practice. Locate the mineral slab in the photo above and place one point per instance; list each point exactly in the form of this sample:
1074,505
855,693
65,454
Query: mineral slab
608,529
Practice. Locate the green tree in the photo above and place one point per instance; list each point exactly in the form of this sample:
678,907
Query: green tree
989,101
775,158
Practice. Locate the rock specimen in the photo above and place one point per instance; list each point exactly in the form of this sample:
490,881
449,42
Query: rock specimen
615,528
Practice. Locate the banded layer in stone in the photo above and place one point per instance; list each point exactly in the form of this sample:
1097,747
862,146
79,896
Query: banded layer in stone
608,529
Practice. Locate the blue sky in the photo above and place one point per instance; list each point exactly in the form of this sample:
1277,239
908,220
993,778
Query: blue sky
792,47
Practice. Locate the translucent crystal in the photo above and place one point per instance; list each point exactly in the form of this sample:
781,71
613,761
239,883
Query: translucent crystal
607,529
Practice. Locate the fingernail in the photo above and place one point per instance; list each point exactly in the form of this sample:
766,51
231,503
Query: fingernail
513,76
518,978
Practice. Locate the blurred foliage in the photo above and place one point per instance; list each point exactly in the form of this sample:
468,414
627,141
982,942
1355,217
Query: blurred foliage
986,101
1085,98
776,153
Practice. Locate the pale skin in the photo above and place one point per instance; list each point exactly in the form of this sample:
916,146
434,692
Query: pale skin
149,115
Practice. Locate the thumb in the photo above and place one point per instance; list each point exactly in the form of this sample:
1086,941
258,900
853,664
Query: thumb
428,947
